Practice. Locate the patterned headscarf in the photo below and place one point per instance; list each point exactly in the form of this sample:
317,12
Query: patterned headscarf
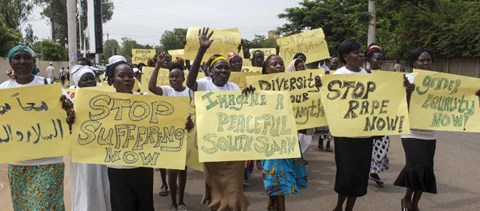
233,55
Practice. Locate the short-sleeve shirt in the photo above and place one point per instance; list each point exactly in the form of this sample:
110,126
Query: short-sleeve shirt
169,91
207,85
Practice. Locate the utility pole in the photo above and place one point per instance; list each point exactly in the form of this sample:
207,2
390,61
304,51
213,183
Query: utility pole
373,22
72,33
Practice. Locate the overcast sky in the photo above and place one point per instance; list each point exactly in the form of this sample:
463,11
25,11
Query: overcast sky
146,20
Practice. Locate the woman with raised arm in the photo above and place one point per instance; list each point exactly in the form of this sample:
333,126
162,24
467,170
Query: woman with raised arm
223,180
176,78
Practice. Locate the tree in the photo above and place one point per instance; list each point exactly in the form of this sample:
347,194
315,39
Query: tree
127,46
110,48
340,20
50,51
56,12
29,38
172,40
14,13
401,25
259,41
433,24
8,38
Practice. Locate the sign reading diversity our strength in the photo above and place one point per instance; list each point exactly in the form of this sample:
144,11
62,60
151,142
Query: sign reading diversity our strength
130,130
232,126
225,41
32,123
445,102
365,104
303,94
311,43
142,55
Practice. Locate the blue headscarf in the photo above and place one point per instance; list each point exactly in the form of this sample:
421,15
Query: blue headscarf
21,47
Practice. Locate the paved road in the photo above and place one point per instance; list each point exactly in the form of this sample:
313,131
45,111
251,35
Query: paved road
457,167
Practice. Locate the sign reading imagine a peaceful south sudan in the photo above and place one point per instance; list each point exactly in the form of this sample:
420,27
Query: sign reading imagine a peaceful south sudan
232,126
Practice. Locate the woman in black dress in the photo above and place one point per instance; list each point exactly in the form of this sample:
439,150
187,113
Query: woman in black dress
352,154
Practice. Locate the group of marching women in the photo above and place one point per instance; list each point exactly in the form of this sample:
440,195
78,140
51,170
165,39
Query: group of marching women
38,184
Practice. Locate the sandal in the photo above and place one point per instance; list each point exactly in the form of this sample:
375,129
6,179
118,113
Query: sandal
163,191
379,182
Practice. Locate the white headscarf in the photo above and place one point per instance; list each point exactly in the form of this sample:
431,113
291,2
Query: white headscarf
292,68
116,58
78,72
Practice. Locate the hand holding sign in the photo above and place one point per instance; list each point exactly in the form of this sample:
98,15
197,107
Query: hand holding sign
67,105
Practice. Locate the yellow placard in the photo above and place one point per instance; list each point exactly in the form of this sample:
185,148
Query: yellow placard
100,87
225,41
365,104
311,43
444,101
240,78
303,93
266,51
130,130
250,69
32,123
176,53
142,55
232,126
162,79
192,144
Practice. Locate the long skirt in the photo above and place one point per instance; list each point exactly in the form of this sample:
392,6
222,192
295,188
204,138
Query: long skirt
131,189
380,161
37,187
418,172
352,158
90,187
224,186
284,176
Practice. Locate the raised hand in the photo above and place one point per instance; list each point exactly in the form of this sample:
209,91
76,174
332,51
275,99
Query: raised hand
204,38
161,59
